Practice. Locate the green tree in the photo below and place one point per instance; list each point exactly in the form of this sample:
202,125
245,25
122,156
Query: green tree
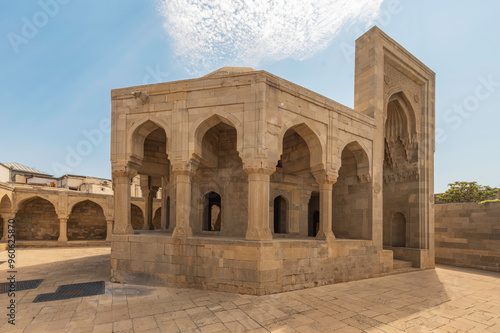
468,192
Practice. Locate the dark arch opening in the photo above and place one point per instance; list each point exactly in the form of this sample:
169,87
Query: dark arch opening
280,208
212,212
313,214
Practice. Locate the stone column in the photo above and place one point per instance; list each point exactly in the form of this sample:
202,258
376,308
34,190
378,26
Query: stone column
164,209
325,182
6,217
182,175
109,228
121,182
258,204
63,229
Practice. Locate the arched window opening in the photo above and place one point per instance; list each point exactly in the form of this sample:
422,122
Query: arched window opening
280,208
212,212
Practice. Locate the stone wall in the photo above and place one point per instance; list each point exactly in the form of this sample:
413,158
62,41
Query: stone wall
468,235
86,221
37,220
247,267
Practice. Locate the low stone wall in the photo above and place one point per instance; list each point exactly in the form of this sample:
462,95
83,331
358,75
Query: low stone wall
242,266
468,235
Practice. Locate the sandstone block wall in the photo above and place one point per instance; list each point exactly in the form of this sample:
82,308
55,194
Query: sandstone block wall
468,235
37,221
86,221
242,266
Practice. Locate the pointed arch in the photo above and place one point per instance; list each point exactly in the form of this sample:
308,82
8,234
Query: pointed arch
138,133
73,204
400,118
203,124
86,221
37,219
5,204
362,160
21,203
312,138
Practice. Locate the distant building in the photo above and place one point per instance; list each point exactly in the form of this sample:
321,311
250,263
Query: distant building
18,173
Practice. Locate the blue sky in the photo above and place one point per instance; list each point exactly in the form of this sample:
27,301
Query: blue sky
61,58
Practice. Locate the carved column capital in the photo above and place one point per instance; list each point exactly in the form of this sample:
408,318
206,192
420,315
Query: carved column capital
259,166
124,171
325,177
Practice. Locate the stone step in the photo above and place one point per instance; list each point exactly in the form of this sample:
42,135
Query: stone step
401,264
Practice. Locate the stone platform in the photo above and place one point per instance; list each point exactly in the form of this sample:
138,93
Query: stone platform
238,265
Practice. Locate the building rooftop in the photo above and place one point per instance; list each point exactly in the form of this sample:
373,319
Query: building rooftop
19,167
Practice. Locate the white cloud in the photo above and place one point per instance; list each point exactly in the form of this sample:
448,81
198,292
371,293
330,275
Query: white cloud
207,34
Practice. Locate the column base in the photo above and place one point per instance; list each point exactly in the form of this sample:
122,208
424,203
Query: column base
62,239
259,234
325,235
182,232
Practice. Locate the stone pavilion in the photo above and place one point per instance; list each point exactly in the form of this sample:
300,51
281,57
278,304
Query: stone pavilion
267,186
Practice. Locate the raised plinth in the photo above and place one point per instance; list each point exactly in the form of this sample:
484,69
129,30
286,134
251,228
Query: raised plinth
242,266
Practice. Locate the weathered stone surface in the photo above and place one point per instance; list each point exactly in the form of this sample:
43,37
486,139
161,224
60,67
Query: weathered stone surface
468,235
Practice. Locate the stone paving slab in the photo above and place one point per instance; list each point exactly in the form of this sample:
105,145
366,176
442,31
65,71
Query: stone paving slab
446,299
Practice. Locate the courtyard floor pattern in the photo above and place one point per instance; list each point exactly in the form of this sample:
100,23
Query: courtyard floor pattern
446,299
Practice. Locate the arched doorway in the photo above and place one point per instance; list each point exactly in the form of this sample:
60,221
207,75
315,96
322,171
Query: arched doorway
86,222
280,215
37,220
212,212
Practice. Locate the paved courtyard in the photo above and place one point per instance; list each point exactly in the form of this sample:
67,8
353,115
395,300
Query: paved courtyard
446,299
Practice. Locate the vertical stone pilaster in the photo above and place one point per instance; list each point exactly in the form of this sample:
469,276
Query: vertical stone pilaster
121,181
325,181
182,175
258,204
109,228
183,204
164,209
63,229
6,218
